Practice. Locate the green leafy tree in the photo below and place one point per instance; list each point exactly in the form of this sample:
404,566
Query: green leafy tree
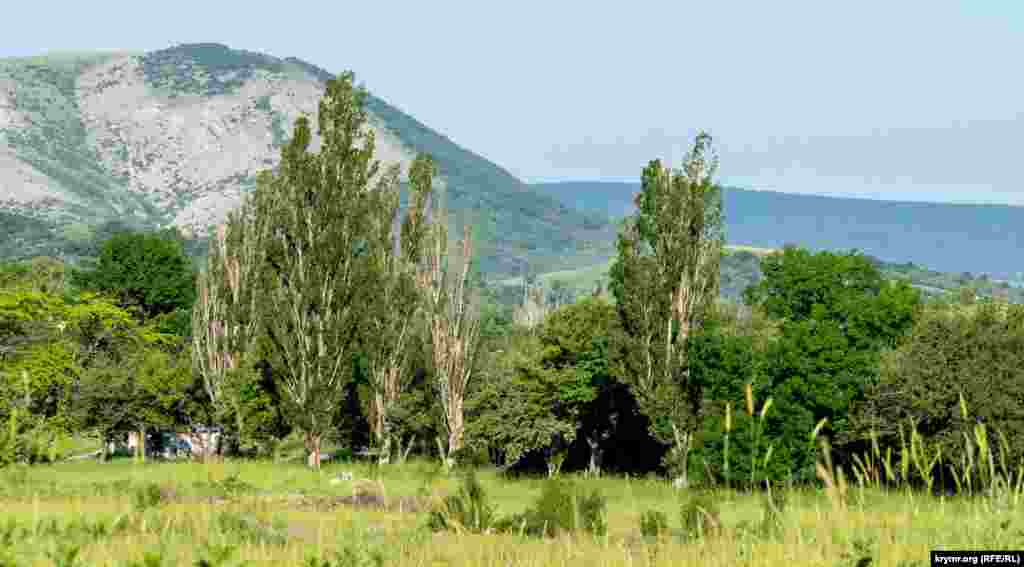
724,358
393,313
147,271
138,389
576,339
519,407
836,313
225,320
316,217
542,384
57,342
953,351
664,279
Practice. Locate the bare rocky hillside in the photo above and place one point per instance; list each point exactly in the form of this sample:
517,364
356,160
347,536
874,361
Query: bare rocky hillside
175,137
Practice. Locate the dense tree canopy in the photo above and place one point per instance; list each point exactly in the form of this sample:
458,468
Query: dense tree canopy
665,280
147,271
836,314
974,353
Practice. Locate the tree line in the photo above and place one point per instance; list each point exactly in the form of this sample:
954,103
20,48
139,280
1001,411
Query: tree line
328,312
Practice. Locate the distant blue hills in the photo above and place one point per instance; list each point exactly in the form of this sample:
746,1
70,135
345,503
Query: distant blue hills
980,239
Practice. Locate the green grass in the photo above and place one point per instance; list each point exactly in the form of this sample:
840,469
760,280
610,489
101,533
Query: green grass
286,513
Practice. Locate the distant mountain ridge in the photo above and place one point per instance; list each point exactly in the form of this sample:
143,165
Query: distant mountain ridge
945,237
175,137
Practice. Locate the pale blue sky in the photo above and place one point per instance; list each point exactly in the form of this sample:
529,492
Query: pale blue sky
903,99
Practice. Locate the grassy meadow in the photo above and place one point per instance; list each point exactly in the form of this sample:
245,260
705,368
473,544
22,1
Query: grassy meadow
232,513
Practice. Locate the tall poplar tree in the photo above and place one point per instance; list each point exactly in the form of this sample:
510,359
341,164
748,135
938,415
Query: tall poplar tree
225,322
665,279
317,215
392,323
453,323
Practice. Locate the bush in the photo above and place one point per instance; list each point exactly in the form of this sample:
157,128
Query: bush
147,496
249,529
561,508
592,509
466,510
231,487
653,523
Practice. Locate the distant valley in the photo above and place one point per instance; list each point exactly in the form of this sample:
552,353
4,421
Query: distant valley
980,239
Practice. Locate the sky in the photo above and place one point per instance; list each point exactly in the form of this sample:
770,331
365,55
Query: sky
908,100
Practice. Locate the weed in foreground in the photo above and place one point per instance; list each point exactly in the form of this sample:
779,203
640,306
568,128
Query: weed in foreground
149,559
146,496
248,529
214,555
467,510
653,524
699,513
862,553
65,555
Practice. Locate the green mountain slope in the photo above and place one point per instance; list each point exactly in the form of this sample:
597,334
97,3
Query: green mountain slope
175,137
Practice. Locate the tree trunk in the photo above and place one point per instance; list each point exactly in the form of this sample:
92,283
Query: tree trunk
313,445
455,428
235,442
446,460
141,445
596,455
682,450
384,457
381,429
403,455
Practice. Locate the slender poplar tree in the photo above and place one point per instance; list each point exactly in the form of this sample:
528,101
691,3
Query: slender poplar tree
453,322
665,279
318,215
224,318
392,323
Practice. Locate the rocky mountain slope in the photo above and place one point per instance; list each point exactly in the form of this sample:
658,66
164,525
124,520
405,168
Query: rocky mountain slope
175,137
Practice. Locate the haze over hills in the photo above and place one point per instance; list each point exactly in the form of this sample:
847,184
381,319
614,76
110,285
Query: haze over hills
175,137
944,237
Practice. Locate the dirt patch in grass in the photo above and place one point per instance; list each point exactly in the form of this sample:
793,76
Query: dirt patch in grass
359,501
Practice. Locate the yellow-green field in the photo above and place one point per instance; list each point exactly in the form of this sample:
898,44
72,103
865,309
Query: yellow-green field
583,280
178,514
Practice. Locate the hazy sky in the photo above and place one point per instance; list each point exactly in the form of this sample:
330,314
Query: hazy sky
901,99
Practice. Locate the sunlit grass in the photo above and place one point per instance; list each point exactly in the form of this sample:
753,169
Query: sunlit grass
49,509
123,512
